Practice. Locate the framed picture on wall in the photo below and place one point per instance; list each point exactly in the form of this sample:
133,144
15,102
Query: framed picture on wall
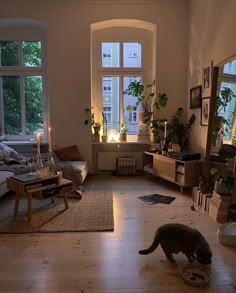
195,97
205,111
207,79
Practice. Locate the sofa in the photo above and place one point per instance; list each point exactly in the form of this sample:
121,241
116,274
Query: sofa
67,159
3,181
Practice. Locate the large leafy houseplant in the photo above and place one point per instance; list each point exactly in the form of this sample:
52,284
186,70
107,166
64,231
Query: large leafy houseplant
225,183
157,128
96,126
178,129
146,96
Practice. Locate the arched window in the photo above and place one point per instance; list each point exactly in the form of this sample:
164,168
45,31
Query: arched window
122,51
23,93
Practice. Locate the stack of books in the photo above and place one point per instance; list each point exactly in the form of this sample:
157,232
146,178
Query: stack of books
201,200
219,207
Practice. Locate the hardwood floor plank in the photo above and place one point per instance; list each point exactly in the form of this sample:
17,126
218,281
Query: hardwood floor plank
109,262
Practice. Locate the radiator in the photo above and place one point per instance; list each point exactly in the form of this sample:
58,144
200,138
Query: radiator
125,166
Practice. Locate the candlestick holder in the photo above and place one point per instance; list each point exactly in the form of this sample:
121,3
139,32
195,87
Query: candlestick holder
38,161
52,169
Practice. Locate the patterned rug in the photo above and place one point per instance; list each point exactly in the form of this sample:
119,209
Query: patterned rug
94,212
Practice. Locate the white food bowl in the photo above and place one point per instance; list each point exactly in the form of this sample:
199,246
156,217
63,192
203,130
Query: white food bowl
226,234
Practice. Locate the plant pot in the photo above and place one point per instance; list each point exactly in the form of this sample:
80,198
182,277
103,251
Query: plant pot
222,188
104,138
123,137
145,117
96,137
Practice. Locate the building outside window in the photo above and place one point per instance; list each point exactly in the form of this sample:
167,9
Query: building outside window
118,80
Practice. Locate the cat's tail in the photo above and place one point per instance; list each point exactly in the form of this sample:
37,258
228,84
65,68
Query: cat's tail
151,248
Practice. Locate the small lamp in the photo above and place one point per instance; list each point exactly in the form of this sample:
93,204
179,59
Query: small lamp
113,135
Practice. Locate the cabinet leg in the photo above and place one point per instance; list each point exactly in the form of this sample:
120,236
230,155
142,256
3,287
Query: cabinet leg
66,201
17,201
181,190
29,207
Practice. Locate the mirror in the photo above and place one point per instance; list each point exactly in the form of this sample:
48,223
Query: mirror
223,90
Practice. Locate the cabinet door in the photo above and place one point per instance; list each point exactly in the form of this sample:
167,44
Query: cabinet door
164,167
193,169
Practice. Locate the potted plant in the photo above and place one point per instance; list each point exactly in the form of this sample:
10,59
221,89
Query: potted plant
178,129
157,127
146,98
223,184
104,128
96,126
123,130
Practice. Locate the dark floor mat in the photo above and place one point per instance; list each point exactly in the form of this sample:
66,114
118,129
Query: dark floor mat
156,198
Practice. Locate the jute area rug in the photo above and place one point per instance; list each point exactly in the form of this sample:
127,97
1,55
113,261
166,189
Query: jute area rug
94,212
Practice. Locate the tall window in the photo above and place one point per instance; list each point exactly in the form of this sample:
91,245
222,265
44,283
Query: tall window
122,51
22,87
119,60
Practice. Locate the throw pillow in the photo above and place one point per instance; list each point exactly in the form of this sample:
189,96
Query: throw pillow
69,153
10,155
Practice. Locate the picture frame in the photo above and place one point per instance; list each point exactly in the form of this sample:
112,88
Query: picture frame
195,97
205,111
207,79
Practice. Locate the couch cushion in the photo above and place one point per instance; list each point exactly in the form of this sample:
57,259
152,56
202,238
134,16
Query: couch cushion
69,153
74,170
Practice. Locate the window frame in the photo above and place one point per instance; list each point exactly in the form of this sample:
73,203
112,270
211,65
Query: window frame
228,79
20,33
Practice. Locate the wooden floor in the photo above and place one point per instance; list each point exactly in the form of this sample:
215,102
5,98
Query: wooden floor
109,261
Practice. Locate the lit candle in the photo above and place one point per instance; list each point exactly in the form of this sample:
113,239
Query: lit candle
165,130
49,139
38,135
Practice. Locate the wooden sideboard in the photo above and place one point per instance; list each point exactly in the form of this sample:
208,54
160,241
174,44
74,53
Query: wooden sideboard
183,173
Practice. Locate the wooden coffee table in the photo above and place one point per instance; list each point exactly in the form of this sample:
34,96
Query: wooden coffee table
40,188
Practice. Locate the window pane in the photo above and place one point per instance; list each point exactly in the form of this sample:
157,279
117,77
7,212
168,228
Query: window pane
230,68
132,54
131,116
110,100
9,53
31,53
33,103
110,55
11,105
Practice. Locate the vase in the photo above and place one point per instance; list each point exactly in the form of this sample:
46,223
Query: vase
52,169
38,162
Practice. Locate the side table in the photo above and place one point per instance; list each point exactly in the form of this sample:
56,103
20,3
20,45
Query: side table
41,188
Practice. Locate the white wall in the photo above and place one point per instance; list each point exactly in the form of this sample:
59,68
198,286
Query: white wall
211,37
69,55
